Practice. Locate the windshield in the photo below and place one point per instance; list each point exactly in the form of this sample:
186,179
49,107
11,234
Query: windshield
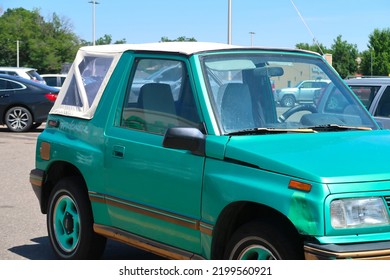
256,92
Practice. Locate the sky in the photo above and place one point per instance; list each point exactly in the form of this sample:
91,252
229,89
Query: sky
274,23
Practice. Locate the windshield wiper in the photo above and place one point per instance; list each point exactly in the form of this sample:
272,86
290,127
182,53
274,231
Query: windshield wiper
262,130
337,127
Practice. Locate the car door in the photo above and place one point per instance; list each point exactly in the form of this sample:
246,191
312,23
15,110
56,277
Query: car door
306,92
6,94
380,107
152,191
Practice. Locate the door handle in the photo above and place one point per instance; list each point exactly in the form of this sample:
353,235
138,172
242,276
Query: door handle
4,95
118,151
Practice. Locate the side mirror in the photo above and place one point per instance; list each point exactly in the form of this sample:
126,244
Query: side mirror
185,138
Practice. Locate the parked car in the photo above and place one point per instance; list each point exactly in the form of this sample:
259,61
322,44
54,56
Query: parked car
375,96
54,80
170,73
24,72
24,104
219,172
303,92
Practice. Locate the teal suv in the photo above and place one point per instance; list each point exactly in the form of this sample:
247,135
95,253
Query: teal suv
179,149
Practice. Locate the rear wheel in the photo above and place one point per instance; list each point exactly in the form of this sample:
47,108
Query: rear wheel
70,222
260,240
18,119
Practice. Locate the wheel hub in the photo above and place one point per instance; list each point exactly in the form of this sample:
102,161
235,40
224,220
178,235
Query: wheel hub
68,223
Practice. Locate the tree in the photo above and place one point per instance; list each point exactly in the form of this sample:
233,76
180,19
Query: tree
106,40
376,60
344,57
44,45
315,47
179,39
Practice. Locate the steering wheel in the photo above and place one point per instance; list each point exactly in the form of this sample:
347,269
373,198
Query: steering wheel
303,107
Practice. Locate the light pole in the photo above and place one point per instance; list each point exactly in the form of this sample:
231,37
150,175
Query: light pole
252,33
229,22
94,21
17,53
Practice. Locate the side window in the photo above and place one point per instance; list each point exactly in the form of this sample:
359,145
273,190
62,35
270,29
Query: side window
3,84
13,85
93,70
366,94
51,81
9,85
383,109
159,96
307,85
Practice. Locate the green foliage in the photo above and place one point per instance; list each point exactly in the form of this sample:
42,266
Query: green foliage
44,45
344,57
179,39
315,47
376,60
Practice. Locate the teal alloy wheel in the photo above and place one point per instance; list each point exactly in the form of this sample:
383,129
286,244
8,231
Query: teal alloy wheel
70,222
256,252
66,223
263,240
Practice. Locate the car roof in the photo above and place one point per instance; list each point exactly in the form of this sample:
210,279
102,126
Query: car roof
25,81
53,75
187,48
368,80
16,68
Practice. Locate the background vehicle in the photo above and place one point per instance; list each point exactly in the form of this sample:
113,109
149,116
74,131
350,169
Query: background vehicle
303,92
375,96
24,104
217,171
24,72
54,80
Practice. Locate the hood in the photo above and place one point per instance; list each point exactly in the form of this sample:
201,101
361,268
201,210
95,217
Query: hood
331,157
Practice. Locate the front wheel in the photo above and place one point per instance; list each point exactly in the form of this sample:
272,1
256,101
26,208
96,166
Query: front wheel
287,101
260,240
70,222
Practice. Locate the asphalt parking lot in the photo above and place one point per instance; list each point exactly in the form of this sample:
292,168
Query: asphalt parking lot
23,232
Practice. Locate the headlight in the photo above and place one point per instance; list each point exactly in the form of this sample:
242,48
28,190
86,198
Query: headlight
358,212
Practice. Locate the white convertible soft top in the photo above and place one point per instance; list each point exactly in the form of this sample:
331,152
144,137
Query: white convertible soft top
187,48
93,66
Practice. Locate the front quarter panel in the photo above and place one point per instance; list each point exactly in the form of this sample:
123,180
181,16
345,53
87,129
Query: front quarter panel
227,182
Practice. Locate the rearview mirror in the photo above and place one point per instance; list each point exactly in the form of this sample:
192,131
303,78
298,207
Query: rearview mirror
269,71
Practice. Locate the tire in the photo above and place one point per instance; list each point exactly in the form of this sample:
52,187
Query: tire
261,240
287,101
70,222
36,125
18,119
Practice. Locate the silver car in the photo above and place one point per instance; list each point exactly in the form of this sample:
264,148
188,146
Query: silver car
304,92
374,93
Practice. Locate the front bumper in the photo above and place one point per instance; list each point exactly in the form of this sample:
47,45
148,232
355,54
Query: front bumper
362,251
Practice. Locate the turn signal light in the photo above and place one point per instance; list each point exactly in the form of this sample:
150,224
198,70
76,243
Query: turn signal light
299,186
44,151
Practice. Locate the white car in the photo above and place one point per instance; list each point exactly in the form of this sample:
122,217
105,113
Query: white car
24,72
54,80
